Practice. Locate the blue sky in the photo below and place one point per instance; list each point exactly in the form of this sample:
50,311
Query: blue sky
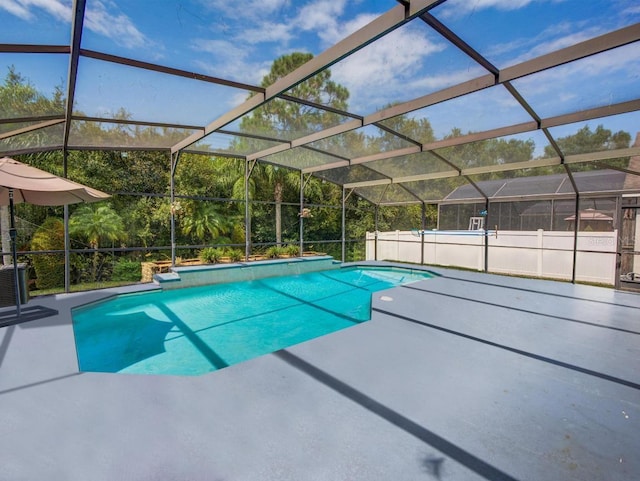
238,40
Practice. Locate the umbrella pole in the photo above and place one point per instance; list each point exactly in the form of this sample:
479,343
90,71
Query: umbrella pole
14,252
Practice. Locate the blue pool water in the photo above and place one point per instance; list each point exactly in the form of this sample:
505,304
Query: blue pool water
201,329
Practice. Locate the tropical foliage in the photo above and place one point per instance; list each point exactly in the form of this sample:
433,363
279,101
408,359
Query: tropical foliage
49,268
95,225
209,210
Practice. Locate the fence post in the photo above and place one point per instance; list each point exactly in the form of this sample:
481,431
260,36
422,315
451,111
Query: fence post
540,245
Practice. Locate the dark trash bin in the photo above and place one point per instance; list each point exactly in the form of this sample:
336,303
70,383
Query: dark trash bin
8,287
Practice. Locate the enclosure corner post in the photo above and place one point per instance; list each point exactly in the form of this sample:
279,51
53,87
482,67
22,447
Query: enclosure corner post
486,236
248,169
67,251
576,224
375,233
175,157
14,252
300,214
67,239
576,229
423,227
344,224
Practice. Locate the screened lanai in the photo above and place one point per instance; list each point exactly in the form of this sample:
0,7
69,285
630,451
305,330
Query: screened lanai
457,139
443,97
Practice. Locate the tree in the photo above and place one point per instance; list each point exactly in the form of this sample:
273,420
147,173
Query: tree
585,140
283,119
95,225
205,219
49,267
19,98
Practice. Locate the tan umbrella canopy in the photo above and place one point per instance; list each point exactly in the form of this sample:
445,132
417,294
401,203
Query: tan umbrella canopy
35,186
22,183
590,214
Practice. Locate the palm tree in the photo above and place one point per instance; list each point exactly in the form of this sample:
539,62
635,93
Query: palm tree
202,220
281,119
280,179
96,224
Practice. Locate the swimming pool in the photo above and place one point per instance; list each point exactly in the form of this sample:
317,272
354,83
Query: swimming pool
196,330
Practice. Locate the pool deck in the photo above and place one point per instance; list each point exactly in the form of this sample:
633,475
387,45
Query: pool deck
466,376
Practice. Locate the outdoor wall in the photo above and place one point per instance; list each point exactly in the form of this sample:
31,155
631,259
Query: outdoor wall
532,253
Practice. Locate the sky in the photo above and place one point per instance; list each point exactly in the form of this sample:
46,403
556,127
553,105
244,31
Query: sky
239,40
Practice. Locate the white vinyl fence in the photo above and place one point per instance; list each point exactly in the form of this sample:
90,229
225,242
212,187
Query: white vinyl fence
533,253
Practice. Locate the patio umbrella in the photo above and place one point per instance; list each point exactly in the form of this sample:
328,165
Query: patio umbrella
23,183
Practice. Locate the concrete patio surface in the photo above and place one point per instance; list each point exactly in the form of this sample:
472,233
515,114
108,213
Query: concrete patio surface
466,376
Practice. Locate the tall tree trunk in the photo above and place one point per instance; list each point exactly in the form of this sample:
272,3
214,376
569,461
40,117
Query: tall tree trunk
277,195
6,239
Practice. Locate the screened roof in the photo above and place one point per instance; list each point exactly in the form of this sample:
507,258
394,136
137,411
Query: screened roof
549,186
442,94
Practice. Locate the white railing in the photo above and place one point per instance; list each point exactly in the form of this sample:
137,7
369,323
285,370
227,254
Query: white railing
532,253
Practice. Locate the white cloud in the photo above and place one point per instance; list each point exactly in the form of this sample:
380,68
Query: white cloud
243,9
632,10
334,32
267,32
627,7
458,8
98,18
433,83
237,99
58,8
228,60
117,27
380,71
23,8
222,49
611,75
322,17
16,8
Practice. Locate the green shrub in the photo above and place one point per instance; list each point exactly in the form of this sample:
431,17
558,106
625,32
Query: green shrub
292,250
235,255
274,252
210,255
49,267
126,270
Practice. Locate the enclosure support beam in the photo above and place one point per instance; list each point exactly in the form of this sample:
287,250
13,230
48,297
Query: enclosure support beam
76,40
248,170
175,157
386,23
423,226
375,233
575,238
618,223
67,239
31,128
576,225
344,223
13,235
486,235
300,216
79,7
